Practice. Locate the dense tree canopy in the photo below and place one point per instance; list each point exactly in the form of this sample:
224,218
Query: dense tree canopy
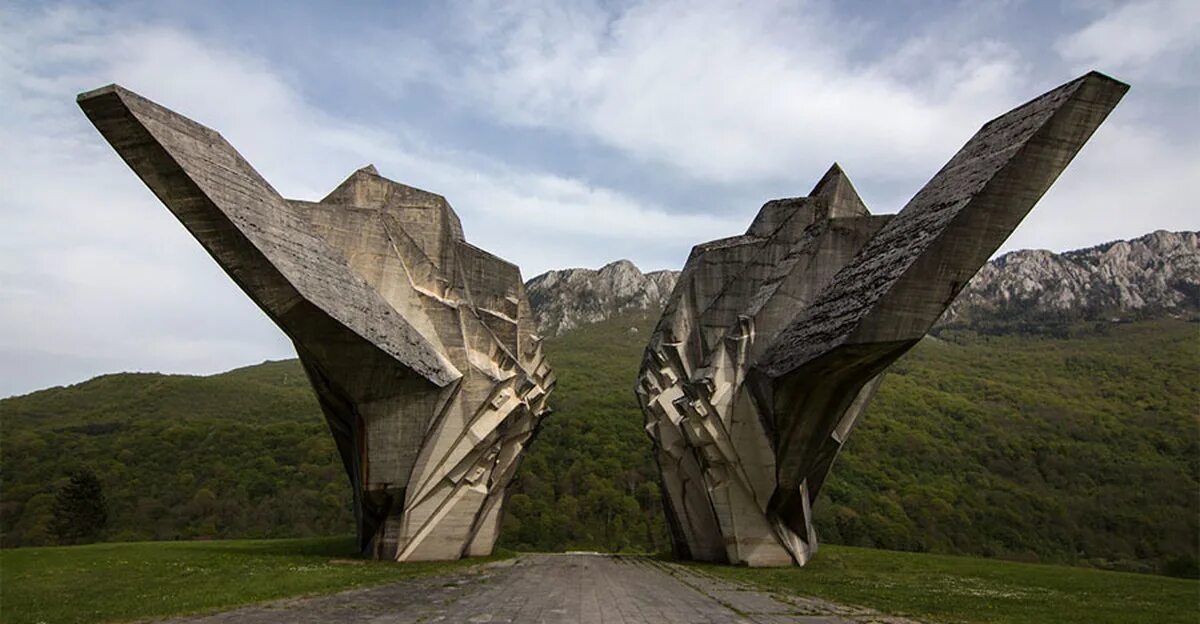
1083,447
80,512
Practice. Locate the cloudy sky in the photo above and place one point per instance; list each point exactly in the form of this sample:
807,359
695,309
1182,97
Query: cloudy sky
564,136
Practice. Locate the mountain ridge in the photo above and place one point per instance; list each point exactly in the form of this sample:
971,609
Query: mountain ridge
564,299
1153,275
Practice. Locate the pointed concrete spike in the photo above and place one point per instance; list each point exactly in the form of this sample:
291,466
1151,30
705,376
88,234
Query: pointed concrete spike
843,200
370,169
914,267
834,171
245,225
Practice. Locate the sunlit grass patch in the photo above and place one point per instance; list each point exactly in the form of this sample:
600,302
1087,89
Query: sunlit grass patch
126,581
942,588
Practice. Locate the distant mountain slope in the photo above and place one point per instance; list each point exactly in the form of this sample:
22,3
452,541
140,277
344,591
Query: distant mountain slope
1156,275
1153,276
243,453
264,393
568,298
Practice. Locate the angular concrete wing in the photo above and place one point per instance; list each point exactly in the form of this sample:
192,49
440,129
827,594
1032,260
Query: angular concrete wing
420,346
774,341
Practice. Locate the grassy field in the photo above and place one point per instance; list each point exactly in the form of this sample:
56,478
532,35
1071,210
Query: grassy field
942,588
127,581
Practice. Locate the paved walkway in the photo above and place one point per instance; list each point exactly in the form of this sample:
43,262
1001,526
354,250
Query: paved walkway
552,589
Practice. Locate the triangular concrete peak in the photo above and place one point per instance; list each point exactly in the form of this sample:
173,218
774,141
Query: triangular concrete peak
365,188
843,200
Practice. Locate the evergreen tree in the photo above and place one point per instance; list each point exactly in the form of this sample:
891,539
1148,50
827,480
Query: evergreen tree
80,511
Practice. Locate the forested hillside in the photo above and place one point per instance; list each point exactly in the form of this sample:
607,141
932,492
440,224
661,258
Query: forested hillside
244,453
1081,450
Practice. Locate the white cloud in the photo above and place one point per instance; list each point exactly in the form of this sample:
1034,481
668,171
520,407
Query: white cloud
1147,40
1127,181
732,92
741,94
96,276
95,273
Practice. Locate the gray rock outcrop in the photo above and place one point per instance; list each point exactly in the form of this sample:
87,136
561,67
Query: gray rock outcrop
565,299
1151,276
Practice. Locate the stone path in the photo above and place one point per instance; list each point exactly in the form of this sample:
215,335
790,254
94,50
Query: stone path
552,589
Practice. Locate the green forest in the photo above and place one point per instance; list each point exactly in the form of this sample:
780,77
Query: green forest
1080,448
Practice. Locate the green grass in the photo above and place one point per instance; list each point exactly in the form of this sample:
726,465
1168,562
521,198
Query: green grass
127,581
944,588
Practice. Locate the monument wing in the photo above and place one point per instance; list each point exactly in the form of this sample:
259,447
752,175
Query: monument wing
246,226
420,346
775,341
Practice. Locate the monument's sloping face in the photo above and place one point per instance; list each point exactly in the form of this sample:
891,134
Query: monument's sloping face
420,346
773,342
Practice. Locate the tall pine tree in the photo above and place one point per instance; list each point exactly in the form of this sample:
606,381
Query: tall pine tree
80,511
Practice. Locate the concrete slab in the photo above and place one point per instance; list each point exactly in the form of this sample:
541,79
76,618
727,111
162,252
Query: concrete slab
554,589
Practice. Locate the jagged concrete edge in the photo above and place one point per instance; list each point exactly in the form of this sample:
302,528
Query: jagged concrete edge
125,119
871,279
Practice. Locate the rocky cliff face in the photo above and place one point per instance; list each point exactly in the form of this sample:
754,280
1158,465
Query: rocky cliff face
567,298
1155,275
1152,276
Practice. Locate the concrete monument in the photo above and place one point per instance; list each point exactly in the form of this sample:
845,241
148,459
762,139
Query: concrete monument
774,341
420,346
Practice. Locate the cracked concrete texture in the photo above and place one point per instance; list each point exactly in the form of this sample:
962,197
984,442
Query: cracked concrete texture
549,589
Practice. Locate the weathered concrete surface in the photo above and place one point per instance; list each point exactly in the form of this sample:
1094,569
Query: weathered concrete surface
774,341
553,589
420,346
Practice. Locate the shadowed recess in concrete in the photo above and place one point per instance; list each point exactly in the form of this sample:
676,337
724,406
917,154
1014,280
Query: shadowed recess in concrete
774,341
420,346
